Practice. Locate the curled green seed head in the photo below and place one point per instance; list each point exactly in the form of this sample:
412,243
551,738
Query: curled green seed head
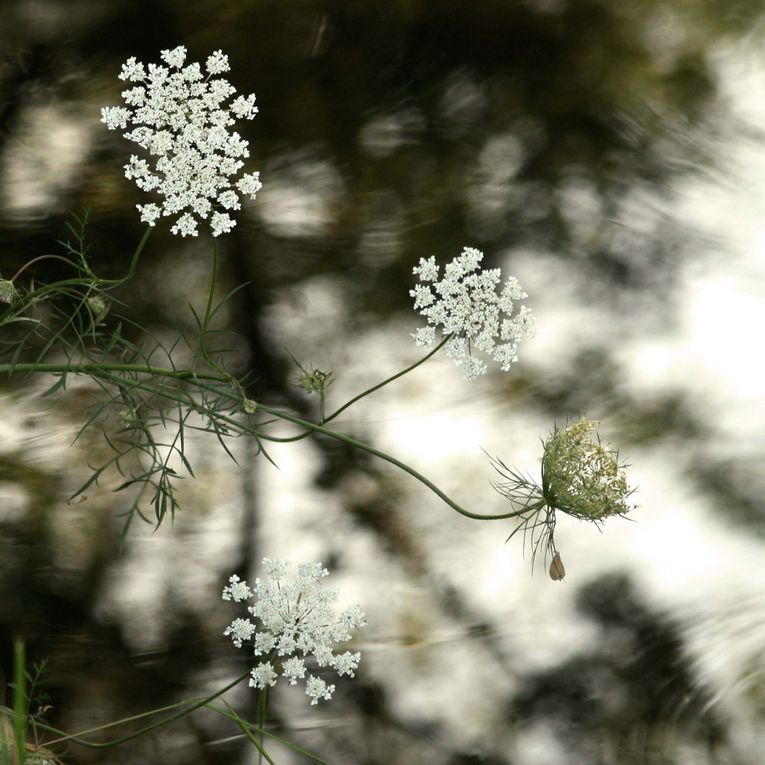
580,476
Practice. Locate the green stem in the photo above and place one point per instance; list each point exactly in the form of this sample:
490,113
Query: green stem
324,420
55,287
388,458
20,701
37,260
245,726
257,742
133,261
345,406
95,370
314,427
195,704
102,371
208,316
262,716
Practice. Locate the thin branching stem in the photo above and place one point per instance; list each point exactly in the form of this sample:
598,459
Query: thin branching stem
232,715
196,703
385,382
96,370
103,370
38,259
388,458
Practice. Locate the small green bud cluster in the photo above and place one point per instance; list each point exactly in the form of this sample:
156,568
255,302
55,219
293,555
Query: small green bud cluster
8,292
314,380
128,418
99,307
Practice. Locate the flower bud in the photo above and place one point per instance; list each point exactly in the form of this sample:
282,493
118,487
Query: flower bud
314,380
99,307
557,571
8,292
128,418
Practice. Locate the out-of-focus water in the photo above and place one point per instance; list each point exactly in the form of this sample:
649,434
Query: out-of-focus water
611,158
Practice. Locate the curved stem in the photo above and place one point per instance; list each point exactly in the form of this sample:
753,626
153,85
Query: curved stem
98,371
345,406
37,260
133,261
388,458
102,370
324,420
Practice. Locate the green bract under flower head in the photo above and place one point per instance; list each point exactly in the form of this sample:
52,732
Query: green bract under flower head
582,478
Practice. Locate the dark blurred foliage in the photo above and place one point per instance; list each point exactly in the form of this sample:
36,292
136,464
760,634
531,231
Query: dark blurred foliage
423,125
632,699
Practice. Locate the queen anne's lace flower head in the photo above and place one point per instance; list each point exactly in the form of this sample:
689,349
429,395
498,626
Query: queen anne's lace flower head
466,306
180,118
293,620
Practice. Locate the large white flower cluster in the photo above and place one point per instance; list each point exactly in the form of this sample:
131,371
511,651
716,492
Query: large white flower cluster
297,619
466,306
180,119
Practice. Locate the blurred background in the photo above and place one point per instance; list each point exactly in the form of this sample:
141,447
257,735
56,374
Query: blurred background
608,154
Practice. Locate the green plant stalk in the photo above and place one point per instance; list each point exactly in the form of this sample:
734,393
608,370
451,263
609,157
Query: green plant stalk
209,312
388,458
55,287
102,371
20,700
315,427
38,259
257,741
262,717
196,703
253,727
95,370
379,385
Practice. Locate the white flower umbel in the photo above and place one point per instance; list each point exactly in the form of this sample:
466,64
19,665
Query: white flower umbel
179,117
293,620
466,306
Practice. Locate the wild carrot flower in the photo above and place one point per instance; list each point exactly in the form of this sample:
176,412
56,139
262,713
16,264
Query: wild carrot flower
466,306
293,620
180,119
579,477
